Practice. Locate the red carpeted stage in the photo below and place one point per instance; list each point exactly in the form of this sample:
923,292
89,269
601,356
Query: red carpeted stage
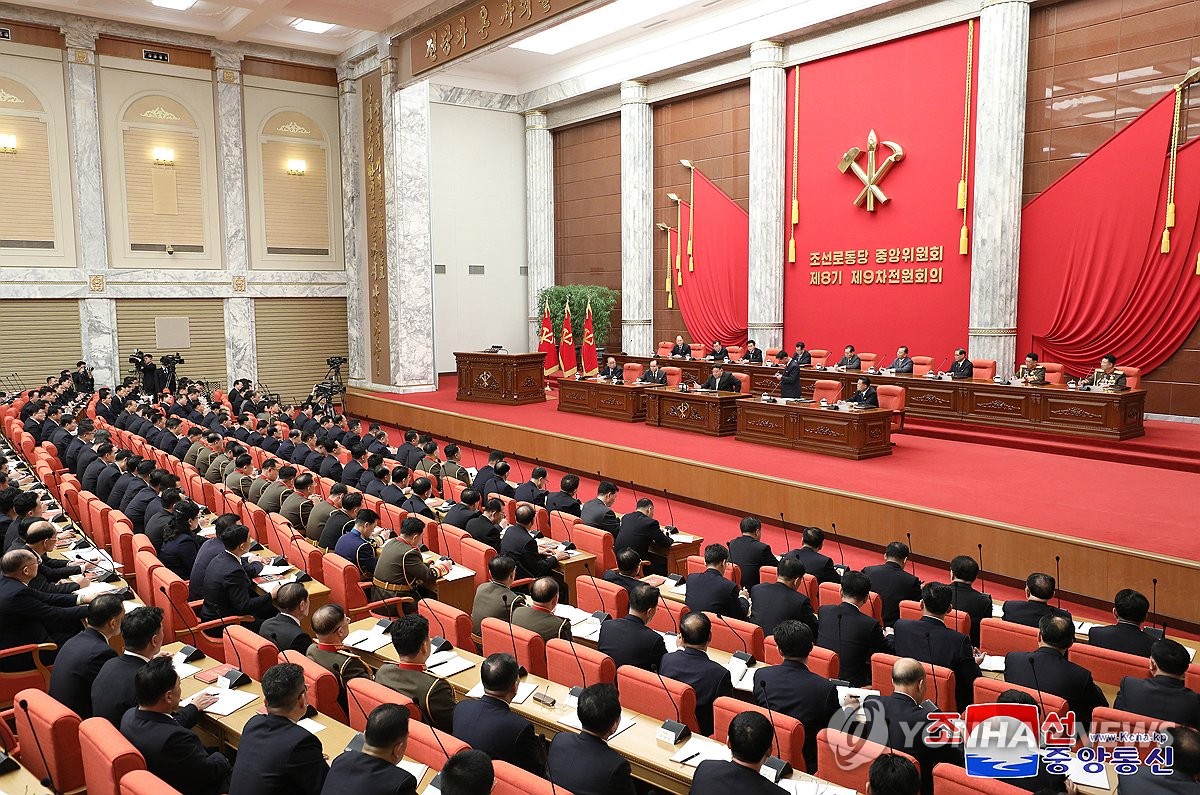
1110,522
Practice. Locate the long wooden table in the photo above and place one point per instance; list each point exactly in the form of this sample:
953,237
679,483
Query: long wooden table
710,413
594,397
845,433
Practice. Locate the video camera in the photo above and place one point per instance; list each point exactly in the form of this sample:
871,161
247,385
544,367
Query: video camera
336,361
172,360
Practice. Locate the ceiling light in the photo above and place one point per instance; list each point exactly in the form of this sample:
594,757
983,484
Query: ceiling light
174,5
296,168
597,24
311,26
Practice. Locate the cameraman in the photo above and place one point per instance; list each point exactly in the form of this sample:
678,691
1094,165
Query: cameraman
85,384
151,385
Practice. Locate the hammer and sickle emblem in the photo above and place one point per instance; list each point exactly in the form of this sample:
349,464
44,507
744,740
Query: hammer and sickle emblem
874,174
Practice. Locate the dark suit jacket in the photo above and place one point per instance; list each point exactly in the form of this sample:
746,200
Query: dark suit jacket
963,369
584,765
709,679
1053,673
751,556
1122,636
711,592
77,663
851,362
285,633
482,475
1029,612
113,694
362,774
722,778
519,545
774,602
488,724
104,483
623,580
683,350
209,550
277,757
121,485
894,585
653,377
789,383
30,616
614,372
496,485
867,397
415,504
175,754
792,689
596,514
1161,697
855,636
975,604
332,468
727,383
639,532
902,714
527,492
930,640
392,494
228,591
352,473
459,515
630,642
561,501
816,564
92,474
482,530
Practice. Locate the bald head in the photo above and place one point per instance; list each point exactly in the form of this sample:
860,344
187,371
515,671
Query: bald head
908,676
15,564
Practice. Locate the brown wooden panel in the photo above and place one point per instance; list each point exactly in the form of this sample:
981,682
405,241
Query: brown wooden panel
35,34
295,72
131,48
380,352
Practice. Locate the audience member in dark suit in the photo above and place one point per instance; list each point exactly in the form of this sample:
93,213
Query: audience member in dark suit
489,724
393,493
1185,768
963,572
373,770
29,616
286,629
533,491
172,752
818,565
106,456
892,774
108,478
275,756
845,629
483,475
463,511
628,571
710,590
599,513
961,367
81,658
892,582
864,394
749,553
228,590
422,488
497,483
583,763
653,375
1162,695
519,545
930,640
691,665
774,602
209,550
792,689
485,527
1039,590
681,349
1049,670
722,381
750,739
640,531
1127,635
628,640
564,499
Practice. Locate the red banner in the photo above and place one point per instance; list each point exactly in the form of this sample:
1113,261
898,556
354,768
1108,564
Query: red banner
893,276
566,346
546,343
588,353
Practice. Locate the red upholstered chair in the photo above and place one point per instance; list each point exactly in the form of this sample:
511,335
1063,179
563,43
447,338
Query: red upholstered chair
144,564
659,697
253,653
512,780
573,664
364,695
453,488
324,689
1133,376
449,622
1054,372
789,732
347,590
955,619
527,646
121,533
107,757
922,365
430,746
744,380
983,369
596,593
666,617
57,740
141,543
179,615
699,350
631,371
303,554
735,352
37,676
881,679
868,360
825,388
833,746
143,782
450,539
769,354
596,541
392,517
1109,667
820,661
732,635
258,522
1107,721
831,594
695,565
664,349
1191,679
560,521
541,517
893,397
674,375
97,522
987,690
953,780
476,556
819,357
999,637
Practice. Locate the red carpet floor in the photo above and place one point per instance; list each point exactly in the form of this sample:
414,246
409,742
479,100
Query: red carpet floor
1127,505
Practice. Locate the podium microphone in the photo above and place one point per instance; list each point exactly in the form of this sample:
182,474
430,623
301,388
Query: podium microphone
188,653
783,526
522,671
841,552
911,560
1057,582
981,569
671,731
1154,612
234,677
778,767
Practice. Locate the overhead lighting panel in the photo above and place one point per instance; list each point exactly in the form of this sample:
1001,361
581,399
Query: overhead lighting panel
174,5
597,24
311,26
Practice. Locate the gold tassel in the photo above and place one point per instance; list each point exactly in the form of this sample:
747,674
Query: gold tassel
678,277
669,302
1198,264
677,260
964,240
1166,242
962,194
792,250
691,263
795,211
1171,215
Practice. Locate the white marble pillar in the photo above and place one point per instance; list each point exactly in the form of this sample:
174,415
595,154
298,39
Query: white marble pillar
98,328
996,216
410,241
241,352
354,221
539,210
637,220
768,111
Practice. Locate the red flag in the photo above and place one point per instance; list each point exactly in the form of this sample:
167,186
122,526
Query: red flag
591,365
546,343
566,346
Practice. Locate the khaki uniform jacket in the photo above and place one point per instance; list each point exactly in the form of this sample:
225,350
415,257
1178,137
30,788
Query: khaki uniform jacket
239,484
548,625
402,568
493,600
1035,374
321,511
435,697
433,468
451,469
272,497
204,457
345,666
296,509
216,469
192,452
257,488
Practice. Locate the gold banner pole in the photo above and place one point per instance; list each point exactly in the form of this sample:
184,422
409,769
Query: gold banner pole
964,234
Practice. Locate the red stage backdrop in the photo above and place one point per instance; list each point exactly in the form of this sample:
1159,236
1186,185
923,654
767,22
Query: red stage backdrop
1093,277
892,277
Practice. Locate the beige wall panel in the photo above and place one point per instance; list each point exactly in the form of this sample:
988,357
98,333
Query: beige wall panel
205,359
28,217
297,206
294,337
39,338
150,221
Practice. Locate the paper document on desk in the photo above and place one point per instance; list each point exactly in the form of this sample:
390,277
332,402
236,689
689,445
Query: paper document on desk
311,725
367,640
572,614
450,667
414,769
684,538
131,605
1076,772
671,639
228,701
997,610
700,749
589,630
858,692
458,572
524,691
743,677
572,720
274,585
183,669
1084,627
96,589
809,786
680,589
993,663
270,570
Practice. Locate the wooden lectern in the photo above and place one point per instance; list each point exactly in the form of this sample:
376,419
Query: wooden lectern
512,378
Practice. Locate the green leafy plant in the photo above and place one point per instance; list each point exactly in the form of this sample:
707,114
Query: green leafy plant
603,299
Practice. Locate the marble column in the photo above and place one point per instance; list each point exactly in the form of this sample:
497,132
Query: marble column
241,353
410,241
353,222
637,220
98,328
539,211
768,111
999,165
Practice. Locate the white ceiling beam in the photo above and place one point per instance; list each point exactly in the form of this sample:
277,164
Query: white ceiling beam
242,24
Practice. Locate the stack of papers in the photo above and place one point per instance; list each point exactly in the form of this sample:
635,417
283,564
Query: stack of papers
452,666
572,614
685,538
671,639
743,677
1077,774
811,786
458,572
228,701
270,570
589,630
1084,627
992,663
701,749
524,691
572,720
96,588
415,769
182,668
367,640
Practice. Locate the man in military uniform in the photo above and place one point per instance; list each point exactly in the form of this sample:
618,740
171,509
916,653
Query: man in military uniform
451,468
297,506
430,465
331,626
322,510
1108,376
1031,372
266,476
273,495
240,479
218,466
204,456
496,598
434,696
401,570
539,617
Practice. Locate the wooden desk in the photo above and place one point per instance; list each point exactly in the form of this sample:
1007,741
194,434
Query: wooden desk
581,564
677,554
711,413
318,592
625,402
22,781
848,433
511,378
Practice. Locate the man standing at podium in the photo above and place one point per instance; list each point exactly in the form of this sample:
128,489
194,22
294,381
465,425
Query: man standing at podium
722,381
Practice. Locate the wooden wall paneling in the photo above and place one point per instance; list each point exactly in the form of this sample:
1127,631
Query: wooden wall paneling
36,35
131,48
39,338
380,351
294,337
28,218
296,206
295,72
204,360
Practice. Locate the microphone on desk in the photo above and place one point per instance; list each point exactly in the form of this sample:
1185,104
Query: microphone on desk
783,526
778,767
110,573
570,542
359,739
939,367
672,528
600,615
522,671
842,568
670,615
234,677
1155,632
744,655
1057,582
187,653
47,781
910,554
437,643
303,576
933,674
520,469
980,546
671,731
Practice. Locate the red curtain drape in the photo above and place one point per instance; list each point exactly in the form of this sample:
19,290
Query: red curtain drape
714,295
1093,280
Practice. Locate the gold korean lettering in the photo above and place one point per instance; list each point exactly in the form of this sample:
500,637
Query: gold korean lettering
460,32
483,22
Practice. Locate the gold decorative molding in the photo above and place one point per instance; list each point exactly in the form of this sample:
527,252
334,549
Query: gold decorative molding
83,56
992,332
239,284
13,98
229,76
160,113
293,127
96,283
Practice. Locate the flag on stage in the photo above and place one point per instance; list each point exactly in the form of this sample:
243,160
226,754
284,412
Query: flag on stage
546,343
566,346
587,356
